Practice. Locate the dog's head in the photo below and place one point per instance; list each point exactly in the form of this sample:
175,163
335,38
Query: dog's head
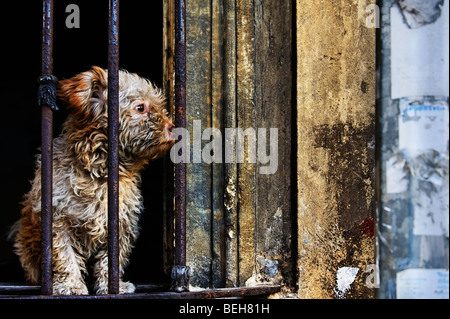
145,129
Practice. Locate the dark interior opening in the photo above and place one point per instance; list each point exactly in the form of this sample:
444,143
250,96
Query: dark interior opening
75,50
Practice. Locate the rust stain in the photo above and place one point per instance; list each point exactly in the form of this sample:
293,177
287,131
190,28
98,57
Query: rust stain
368,227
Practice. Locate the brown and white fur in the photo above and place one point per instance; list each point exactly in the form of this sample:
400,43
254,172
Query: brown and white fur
80,180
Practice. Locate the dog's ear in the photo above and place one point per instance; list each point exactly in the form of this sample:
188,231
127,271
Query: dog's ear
84,94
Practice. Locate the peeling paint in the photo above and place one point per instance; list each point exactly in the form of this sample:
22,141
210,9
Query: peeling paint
230,194
270,266
278,213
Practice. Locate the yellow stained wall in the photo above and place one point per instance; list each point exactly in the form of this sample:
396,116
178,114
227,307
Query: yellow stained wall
336,146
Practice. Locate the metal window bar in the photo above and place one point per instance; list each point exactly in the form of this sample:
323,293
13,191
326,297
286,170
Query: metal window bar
180,121
47,98
180,273
47,153
113,148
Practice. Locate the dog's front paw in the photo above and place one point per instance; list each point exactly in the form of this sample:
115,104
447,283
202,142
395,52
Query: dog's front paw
70,289
126,287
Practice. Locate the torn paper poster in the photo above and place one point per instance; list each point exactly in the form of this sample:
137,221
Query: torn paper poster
345,276
397,179
423,125
418,13
431,210
422,284
429,184
419,57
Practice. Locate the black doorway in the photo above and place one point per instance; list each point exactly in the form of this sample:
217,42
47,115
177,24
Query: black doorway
75,50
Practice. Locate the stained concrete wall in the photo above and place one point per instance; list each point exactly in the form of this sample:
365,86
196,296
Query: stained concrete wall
336,145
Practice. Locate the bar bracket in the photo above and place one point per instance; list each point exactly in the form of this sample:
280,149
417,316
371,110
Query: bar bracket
47,91
181,276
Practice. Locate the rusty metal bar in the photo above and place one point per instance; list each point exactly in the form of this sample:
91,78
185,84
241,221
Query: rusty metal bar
242,292
20,289
113,148
180,121
180,272
47,153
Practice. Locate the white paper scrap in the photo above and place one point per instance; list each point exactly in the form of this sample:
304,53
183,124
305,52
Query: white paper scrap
419,57
431,212
423,126
396,178
345,276
422,284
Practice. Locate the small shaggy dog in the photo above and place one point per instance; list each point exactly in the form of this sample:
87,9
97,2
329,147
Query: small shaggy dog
80,230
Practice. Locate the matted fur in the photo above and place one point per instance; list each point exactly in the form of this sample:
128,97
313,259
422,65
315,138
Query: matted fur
80,180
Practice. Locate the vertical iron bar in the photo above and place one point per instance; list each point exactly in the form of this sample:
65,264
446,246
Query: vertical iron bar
113,153
180,121
180,272
47,151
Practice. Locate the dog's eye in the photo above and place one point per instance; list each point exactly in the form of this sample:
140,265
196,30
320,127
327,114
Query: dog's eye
140,108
